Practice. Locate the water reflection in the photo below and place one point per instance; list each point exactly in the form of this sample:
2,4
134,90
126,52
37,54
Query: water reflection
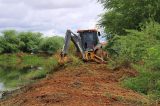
1,86
13,77
1,89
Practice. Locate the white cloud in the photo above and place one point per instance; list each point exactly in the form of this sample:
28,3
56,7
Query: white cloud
49,16
48,4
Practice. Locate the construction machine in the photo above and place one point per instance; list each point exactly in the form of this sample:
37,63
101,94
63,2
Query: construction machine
87,44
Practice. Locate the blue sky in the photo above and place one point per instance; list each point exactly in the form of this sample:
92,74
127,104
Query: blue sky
51,17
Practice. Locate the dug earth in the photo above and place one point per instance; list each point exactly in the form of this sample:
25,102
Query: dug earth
85,85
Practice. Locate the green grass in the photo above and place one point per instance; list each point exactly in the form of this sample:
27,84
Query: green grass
33,60
147,82
9,60
37,74
75,61
125,100
50,63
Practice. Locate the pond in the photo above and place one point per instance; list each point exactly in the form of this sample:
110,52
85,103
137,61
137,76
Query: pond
1,86
15,77
12,77
16,72
1,89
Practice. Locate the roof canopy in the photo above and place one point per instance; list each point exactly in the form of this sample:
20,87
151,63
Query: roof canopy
89,30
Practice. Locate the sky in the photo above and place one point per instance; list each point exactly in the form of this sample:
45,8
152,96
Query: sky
50,17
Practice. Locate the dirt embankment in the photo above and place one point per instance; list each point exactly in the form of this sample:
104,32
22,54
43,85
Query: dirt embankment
86,85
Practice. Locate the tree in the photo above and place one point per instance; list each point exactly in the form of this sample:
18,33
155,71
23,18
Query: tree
12,41
128,14
30,41
51,44
1,46
9,42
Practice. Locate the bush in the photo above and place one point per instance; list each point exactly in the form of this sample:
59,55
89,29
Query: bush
12,41
9,42
30,41
152,58
51,44
128,14
147,82
141,48
134,47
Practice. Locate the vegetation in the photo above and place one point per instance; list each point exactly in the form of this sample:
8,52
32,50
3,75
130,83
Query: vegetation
29,41
21,61
128,14
12,41
16,71
51,44
133,33
142,49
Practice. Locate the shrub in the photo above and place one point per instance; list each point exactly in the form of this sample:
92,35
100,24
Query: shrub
141,48
51,44
12,41
134,47
30,41
9,42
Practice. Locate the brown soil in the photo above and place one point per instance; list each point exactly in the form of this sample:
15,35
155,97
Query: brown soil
85,85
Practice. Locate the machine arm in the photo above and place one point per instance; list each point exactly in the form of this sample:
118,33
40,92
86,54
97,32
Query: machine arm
70,36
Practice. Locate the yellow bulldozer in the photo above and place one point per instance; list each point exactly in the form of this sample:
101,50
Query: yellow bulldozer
87,45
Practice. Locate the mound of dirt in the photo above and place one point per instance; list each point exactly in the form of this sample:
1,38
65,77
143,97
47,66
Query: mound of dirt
85,85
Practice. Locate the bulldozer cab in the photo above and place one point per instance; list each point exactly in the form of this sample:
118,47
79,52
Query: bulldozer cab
89,39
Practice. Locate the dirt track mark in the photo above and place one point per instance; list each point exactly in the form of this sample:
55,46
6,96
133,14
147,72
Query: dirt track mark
86,85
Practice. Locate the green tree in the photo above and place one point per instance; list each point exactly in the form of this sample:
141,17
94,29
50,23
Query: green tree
9,42
51,44
30,41
1,44
134,41
128,14
12,41
141,51
136,45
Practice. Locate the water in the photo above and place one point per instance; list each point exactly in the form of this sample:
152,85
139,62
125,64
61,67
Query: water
1,89
13,77
16,72
1,86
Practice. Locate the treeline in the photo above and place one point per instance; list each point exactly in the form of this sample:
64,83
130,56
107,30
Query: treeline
133,33
12,41
128,14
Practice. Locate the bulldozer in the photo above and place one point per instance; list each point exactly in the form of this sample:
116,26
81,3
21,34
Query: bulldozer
87,45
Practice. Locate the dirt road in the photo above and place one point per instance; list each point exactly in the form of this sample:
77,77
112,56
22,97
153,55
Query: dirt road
85,85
